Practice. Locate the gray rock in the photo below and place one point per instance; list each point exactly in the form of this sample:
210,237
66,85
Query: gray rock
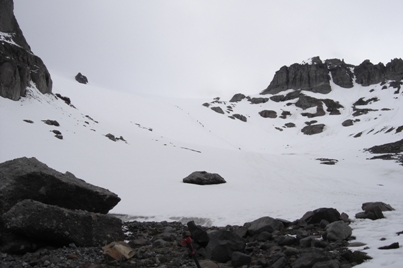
237,97
18,65
347,123
59,226
204,178
337,230
368,74
309,260
240,117
311,77
268,114
223,244
313,129
370,205
27,178
317,215
239,259
263,224
217,109
258,100
81,78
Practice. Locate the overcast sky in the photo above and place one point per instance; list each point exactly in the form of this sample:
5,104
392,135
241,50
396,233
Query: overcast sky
204,48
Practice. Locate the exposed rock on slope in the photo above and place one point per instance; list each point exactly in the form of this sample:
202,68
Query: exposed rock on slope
315,76
18,65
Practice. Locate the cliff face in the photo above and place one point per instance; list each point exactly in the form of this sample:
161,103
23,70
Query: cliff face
18,65
316,75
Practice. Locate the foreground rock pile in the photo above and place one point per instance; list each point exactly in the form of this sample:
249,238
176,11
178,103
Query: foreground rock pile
50,219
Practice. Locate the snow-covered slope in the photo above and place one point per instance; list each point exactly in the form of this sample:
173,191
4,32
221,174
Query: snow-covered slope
271,170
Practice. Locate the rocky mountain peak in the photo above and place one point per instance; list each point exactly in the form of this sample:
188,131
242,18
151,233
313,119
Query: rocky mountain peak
18,65
315,75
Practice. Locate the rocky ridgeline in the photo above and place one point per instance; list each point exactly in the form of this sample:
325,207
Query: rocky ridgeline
315,76
18,65
50,219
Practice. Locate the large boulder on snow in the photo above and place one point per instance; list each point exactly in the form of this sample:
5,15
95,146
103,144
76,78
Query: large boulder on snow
204,178
59,226
18,65
337,230
28,178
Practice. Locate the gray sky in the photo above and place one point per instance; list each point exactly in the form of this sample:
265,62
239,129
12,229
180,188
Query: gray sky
204,48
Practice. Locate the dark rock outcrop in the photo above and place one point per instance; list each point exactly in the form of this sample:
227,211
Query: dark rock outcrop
27,178
268,114
237,97
204,178
387,148
60,227
81,78
313,129
264,224
315,76
240,117
317,215
18,65
217,109
311,77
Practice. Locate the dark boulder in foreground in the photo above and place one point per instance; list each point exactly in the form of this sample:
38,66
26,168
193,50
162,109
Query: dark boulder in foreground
59,226
27,178
313,129
204,178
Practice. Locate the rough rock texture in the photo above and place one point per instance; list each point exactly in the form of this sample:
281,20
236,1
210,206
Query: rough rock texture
264,224
81,78
204,178
337,230
59,226
311,77
393,147
316,76
18,65
268,114
313,129
27,178
317,215
237,97
223,244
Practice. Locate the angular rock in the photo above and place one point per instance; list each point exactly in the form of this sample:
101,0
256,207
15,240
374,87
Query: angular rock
223,244
368,74
18,65
263,224
394,70
27,178
204,178
317,215
311,77
217,109
81,78
341,73
347,123
239,259
237,97
309,260
370,205
240,117
59,226
387,148
337,230
313,129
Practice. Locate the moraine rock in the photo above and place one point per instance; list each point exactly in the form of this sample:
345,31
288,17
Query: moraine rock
59,226
27,178
317,215
18,65
223,244
204,178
